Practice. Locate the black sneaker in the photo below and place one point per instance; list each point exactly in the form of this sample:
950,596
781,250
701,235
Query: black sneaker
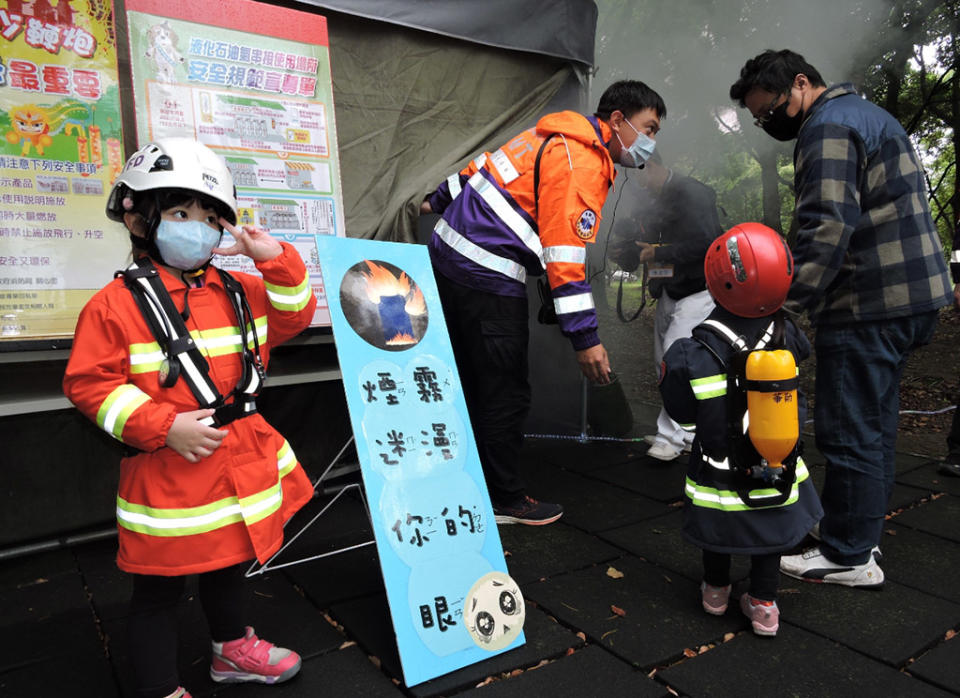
949,468
527,510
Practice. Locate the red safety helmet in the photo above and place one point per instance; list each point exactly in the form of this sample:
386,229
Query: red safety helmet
749,269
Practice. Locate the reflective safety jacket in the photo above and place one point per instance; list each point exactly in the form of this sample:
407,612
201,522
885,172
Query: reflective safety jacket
694,387
175,517
492,233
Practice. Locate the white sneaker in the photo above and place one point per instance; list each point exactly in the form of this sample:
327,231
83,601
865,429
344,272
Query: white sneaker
875,551
653,439
813,566
661,450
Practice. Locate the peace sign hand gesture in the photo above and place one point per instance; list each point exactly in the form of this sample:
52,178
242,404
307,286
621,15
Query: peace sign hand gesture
248,240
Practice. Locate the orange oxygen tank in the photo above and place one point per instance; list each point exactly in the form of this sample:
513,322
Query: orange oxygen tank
774,422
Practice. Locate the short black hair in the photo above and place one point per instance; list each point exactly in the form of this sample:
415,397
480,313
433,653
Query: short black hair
629,97
774,72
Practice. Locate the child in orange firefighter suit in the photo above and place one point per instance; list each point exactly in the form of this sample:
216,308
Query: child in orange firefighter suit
167,358
764,511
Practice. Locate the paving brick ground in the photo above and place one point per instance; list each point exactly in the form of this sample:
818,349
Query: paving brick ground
62,613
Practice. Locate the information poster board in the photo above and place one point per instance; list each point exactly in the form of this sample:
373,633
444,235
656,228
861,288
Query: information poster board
451,601
252,81
60,151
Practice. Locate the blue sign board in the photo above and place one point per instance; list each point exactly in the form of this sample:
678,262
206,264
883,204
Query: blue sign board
451,601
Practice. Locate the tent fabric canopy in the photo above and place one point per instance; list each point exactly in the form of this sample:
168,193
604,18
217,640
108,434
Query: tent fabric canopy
413,107
560,28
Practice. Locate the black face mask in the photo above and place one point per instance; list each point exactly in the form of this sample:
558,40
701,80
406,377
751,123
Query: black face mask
781,126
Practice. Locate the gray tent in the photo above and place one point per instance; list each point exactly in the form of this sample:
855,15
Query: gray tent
420,86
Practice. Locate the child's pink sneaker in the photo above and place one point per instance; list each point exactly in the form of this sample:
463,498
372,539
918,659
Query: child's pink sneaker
764,615
715,599
181,692
252,659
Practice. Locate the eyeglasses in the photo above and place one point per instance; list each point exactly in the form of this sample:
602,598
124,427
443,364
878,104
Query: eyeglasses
767,112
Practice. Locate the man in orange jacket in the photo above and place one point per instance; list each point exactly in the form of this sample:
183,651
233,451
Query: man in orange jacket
529,207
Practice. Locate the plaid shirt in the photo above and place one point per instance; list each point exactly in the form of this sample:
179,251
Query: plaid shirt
866,247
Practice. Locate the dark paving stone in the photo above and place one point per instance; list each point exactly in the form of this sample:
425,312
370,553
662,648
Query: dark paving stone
21,571
573,455
891,625
928,478
109,586
344,575
663,613
589,504
921,561
661,481
536,552
274,608
331,580
904,496
82,670
660,542
347,672
795,663
937,516
368,621
587,672
940,665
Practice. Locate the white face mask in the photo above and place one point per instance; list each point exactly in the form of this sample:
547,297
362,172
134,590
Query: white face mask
639,151
186,245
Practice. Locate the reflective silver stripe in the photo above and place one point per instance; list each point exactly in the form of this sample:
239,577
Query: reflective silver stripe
718,464
453,181
732,337
477,254
453,184
504,167
506,213
565,253
573,304
955,257
690,428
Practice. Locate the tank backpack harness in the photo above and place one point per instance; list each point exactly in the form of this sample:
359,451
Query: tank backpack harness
747,469
183,357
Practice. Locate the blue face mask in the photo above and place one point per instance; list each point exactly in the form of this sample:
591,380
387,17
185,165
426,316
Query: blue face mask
639,151
186,245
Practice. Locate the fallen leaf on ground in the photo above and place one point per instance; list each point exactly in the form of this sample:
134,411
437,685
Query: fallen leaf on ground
614,573
348,643
950,634
617,610
729,636
687,652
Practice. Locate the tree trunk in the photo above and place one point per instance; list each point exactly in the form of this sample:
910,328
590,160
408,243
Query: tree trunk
770,180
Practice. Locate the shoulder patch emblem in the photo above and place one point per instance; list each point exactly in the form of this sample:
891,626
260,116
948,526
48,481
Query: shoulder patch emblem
586,223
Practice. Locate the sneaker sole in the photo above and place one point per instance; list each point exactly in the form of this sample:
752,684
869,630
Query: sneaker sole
508,520
814,577
765,632
242,677
715,611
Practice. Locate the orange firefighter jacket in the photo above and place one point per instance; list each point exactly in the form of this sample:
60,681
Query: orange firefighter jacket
175,517
493,232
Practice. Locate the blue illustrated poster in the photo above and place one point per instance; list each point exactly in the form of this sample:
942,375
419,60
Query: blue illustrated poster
451,600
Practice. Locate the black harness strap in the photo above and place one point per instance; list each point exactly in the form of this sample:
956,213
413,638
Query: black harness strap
741,453
182,353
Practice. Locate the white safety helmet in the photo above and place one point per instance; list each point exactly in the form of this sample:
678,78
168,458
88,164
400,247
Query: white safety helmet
175,163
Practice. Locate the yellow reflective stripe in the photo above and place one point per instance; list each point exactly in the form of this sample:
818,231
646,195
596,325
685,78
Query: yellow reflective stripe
286,459
728,500
146,357
190,521
291,298
709,386
117,408
259,506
